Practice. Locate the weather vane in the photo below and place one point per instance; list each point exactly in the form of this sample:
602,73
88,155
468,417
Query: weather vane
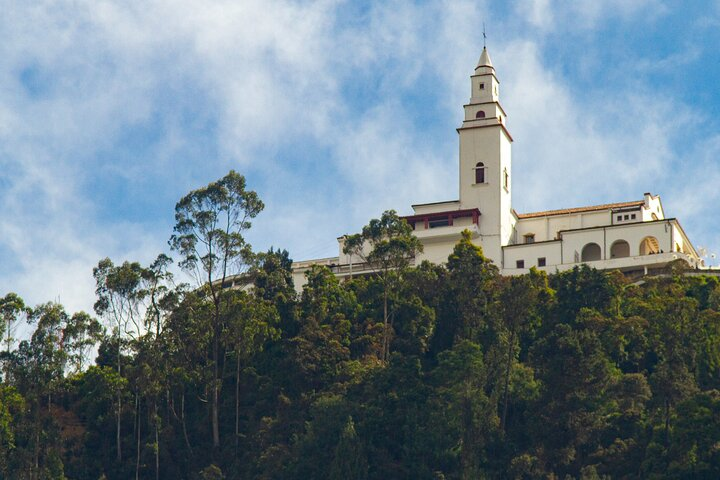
484,36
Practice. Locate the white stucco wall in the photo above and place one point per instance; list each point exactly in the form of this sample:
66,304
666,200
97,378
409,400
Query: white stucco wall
438,243
547,227
652,210
530,253
574,241
625,216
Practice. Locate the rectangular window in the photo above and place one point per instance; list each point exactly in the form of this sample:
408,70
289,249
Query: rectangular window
520,264
619,218
530,238
627,217
482,86
541,262
442,222
632,216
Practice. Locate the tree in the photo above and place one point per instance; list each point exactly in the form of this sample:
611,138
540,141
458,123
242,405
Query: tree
38,368
250,324
465,412
671,382
208,236
94,401
695,452
582,287
81,334
11,409
12,311
320,350
574,406
119,292
350,462
519,302
157,287
470,301
119,296
386,246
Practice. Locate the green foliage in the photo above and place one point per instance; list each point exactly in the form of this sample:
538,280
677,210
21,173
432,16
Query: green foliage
466,417
404,371
386,246
209,223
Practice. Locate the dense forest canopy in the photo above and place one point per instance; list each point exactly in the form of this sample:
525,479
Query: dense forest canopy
428,372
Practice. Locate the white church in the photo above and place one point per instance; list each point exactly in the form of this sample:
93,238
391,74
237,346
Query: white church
633,236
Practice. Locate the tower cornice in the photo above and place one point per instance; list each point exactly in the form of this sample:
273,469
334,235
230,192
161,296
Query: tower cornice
475,75
486,103
492,125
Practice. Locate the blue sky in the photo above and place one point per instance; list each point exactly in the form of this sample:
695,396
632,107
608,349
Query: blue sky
110,111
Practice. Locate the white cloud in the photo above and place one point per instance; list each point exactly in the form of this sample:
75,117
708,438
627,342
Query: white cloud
591,149
539,13
99,68
583,16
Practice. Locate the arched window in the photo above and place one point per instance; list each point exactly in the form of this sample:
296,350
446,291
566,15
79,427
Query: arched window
649,246
590,252
480,173
480,114
620,249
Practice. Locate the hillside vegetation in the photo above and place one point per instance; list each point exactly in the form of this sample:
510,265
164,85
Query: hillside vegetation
428,372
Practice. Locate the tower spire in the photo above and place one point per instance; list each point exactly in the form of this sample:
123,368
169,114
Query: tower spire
484,60
484,63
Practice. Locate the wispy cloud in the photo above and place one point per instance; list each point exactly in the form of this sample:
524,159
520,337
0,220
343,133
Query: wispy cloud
571,15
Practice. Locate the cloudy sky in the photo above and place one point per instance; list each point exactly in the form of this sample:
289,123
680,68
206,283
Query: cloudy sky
110,111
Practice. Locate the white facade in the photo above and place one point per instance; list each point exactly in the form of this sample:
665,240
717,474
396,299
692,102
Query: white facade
630,236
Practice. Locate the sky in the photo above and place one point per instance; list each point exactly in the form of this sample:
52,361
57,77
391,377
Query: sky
111,111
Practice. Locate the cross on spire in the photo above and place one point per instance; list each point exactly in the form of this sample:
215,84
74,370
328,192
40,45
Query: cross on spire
484,36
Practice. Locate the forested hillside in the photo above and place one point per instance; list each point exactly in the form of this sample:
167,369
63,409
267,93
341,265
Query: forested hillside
428,372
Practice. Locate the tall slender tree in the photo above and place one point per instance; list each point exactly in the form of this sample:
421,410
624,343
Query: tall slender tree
12,312
209,227
119,294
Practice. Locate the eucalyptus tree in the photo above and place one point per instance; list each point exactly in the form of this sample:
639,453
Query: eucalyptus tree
160,292
82,333
386,246
209,227
12,312
119,296
251,321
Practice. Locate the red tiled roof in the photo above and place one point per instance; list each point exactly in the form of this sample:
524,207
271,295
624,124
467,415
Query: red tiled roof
593,208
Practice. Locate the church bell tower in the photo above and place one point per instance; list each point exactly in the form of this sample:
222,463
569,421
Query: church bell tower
485,160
